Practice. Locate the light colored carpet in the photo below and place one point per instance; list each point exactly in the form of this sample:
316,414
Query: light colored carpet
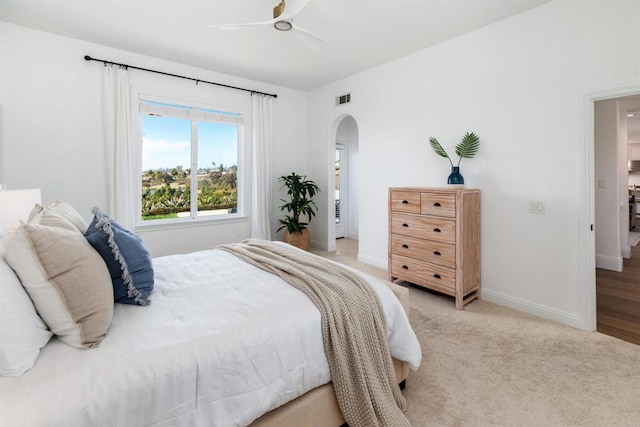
493,366
634,238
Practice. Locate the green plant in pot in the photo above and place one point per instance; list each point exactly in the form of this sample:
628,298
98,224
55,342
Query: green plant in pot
300,204
468,147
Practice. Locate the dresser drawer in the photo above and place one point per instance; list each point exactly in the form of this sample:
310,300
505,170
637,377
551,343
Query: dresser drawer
405,201
438,204
423,273
425,250
424,227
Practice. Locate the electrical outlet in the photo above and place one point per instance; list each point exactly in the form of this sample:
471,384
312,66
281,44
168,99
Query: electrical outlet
602,183
537,207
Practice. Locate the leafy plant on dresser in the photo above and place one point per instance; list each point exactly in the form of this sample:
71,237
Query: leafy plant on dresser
467,148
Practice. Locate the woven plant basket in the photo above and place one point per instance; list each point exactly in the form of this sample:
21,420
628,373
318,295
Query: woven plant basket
299,240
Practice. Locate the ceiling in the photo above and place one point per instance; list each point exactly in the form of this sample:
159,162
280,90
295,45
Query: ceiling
360,33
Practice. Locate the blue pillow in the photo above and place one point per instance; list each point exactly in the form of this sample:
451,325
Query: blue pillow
126,256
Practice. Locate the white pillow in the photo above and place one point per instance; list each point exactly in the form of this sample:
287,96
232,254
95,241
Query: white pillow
65,277
22,331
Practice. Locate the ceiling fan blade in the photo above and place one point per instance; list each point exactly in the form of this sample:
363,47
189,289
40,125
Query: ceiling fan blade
309,38
292,8
248,24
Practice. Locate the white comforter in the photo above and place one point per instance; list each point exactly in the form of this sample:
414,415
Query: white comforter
221,344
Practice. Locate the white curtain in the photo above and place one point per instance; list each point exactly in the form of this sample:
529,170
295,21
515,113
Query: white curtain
261,106
116,118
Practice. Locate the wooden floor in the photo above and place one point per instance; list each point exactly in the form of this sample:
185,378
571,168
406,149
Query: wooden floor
618,300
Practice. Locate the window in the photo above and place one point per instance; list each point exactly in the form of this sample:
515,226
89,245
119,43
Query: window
189,161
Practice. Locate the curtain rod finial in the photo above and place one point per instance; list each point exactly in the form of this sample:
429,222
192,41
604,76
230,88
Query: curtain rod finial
87,58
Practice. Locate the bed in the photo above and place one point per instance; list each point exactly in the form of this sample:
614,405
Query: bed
222,343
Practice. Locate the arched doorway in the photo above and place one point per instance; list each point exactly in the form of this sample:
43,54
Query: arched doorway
345,179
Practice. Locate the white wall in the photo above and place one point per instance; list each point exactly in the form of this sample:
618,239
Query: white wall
623,175
606,188
52,133
520,84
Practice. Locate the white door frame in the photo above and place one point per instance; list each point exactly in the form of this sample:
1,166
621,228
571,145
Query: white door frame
587,254
344,191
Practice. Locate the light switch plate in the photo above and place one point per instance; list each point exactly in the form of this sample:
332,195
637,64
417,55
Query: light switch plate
537,207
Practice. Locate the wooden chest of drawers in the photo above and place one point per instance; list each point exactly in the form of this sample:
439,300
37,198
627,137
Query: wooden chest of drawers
434,240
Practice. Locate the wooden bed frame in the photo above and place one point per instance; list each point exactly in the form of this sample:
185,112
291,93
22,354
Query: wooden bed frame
319,407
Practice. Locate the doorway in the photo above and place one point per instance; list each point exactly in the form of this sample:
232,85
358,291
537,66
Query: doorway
617,272
341,193
344,209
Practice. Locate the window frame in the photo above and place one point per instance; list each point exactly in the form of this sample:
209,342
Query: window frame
243,163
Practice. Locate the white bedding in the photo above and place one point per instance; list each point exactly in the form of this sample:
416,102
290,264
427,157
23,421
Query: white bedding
222,343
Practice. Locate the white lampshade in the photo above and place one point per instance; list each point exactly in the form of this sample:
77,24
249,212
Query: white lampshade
15,206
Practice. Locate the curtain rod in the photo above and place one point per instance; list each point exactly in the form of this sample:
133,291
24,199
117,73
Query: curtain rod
105,62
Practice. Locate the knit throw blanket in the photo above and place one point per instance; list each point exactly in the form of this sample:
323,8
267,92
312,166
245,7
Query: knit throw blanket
353,330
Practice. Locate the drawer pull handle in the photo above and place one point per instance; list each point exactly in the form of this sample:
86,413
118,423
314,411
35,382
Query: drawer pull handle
437,204
405,225
405,202
437,276
437,253
405,246
436,230
405,267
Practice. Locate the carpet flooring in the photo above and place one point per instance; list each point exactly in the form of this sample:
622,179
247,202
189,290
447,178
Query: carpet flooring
493,366
489,365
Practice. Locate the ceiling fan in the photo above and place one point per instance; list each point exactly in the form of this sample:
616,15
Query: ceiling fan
283,15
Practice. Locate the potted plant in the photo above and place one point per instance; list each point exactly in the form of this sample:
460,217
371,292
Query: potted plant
468,147
301,192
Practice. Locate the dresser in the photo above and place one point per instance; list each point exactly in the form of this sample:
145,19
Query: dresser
434,240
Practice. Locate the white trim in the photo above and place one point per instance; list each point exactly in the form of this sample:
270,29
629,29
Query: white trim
170,224
609,262
344,189
243,112
373,261
193,179
587,273
2,156
188,112
321,245
539,310
625,251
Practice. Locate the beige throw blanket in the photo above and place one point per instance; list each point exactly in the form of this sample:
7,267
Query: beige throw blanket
353,330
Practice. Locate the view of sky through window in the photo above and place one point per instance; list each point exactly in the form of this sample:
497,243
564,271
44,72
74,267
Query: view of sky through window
167,143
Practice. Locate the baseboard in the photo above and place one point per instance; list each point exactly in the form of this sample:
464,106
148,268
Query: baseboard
625,251
321,245
609,262
376,262
353,236
532,308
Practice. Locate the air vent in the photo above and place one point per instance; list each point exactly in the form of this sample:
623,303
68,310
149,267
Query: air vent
343,99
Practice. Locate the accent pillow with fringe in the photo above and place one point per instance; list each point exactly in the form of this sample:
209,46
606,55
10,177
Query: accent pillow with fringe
126,256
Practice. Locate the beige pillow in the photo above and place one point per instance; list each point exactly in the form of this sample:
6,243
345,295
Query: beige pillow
64,210
65,277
